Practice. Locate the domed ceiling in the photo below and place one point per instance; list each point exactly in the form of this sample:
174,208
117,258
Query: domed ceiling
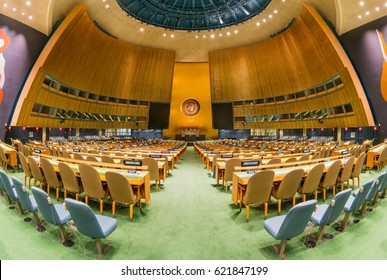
193,15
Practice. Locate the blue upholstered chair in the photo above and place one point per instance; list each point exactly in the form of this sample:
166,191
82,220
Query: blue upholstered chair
290,225
382,186
355,202
10,191
328,213
28,202
2,189
91,224
55,214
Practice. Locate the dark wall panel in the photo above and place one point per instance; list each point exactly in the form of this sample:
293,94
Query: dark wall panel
363,47
26,44
222,116
159,115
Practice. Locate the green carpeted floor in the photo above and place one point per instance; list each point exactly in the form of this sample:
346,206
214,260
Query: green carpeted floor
190,218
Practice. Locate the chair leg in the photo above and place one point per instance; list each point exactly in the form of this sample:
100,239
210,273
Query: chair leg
101,206
324,194
65,194
57,194
114,208
87,200
344,222
131,212
77,196
157,185
303,197
247,213
266,211
279,201
294,200
320,233
48,190
100,250
281,251
315,195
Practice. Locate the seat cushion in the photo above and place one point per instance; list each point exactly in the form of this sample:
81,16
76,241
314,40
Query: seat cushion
63,214
319,214
348,205
273,225
108,224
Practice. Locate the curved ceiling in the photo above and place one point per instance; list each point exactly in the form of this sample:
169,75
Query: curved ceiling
194,46
193,15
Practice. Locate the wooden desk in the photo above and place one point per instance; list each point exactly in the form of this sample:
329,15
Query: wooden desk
11,153
373,154
242,177
141,179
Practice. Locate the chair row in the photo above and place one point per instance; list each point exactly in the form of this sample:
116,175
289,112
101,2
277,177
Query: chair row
88,184
261,186
300,216
90,224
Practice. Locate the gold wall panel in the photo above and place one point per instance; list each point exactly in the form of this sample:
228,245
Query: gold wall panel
191,80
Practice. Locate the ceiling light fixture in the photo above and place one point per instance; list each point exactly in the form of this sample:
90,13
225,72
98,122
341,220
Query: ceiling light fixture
361,3
377,9
28,3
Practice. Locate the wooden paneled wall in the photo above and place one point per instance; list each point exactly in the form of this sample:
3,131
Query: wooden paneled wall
81,56
305,55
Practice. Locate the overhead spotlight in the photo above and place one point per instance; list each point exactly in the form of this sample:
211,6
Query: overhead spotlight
361,3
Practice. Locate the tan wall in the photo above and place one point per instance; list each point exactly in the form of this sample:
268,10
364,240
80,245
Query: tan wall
191,80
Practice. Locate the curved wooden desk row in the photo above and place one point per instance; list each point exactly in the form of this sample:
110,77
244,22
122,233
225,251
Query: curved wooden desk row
139,179
242,177
221,165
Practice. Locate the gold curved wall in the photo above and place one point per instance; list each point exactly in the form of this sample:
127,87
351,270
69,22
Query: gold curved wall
82,57
303,56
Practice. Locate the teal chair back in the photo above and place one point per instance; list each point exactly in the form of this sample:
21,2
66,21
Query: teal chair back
8,186
53,213
360,196
89,223
334,209
27,201
295,220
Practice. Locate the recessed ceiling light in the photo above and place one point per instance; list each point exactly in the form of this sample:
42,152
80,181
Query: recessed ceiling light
5,5
196,36
275,11
172,35
107,6
14,9
361,3
220,35
228,33
367,13
359,16
264,20
236,31
270,16
28,3
23,13
377,9
164,34
385,4
204,36
141,29
258,24
30,17
212,36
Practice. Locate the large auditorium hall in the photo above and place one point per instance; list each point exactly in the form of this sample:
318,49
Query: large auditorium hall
193,138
